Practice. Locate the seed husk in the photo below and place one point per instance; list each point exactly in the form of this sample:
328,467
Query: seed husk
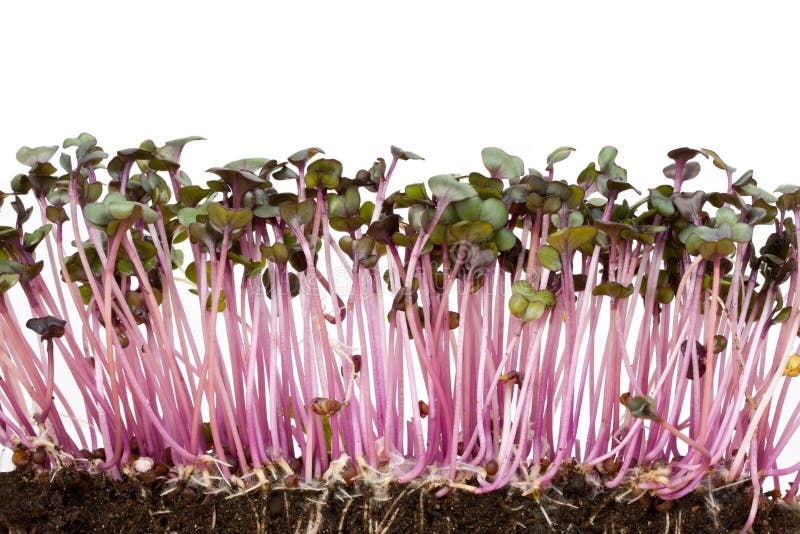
664,506
512,377
492,467
296,464
349,473
611,467
423,409
39,456
325,406
21,459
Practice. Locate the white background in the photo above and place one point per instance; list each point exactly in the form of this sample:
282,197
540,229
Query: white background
441,79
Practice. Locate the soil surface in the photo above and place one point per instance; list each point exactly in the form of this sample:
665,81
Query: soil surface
74,501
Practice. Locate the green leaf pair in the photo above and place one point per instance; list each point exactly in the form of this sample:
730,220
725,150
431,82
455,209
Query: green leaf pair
549,197
222,219
404,155
447,189
720,240
502,165
528,304
114,208
277,253
568,240
48,327
361,250
31,157
490,210
643,407
615,290
297,214
325,173
238,179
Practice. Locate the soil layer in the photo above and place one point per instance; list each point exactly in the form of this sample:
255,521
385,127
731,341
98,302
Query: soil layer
74,501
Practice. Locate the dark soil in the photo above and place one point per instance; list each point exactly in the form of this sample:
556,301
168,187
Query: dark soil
73,501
